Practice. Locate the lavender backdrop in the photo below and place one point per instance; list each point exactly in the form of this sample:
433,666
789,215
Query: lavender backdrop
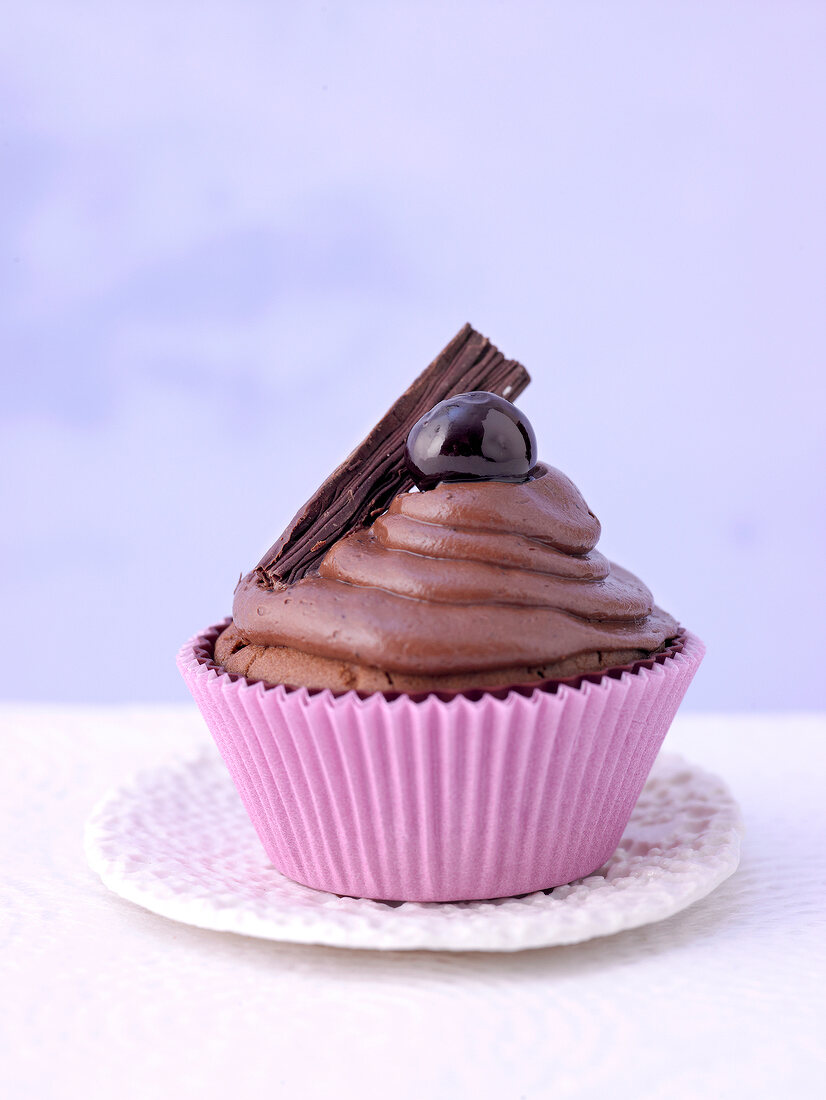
232,233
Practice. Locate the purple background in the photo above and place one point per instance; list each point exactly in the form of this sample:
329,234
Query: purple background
232,233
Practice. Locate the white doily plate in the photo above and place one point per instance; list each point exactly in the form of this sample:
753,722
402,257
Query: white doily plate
177,841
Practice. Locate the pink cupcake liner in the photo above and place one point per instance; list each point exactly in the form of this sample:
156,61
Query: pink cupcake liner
434,798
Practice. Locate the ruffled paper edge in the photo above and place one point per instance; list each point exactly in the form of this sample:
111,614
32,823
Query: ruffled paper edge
197,655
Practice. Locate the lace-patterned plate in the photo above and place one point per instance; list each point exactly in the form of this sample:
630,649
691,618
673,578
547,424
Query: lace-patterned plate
177,841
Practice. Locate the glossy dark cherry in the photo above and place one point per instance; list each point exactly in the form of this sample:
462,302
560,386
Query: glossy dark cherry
476,436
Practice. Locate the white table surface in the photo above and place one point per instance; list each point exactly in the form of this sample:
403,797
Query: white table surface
103,999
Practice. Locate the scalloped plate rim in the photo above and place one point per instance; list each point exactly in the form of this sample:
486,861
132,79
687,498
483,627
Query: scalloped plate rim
496,916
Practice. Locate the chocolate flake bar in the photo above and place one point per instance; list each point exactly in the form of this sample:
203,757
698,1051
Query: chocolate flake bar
365,483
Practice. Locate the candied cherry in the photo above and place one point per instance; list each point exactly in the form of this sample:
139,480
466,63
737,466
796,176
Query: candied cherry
475,436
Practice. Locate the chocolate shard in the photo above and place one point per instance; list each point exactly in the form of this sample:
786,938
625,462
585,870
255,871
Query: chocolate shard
365,483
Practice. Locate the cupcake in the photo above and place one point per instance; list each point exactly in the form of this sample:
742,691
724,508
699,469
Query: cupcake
434,687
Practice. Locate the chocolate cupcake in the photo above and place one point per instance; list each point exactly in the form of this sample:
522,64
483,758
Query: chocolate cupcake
434,687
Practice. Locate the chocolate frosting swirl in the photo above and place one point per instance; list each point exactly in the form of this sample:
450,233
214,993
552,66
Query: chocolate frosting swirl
466,577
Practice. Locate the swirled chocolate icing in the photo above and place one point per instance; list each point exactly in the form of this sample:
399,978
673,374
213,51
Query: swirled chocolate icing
467,578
